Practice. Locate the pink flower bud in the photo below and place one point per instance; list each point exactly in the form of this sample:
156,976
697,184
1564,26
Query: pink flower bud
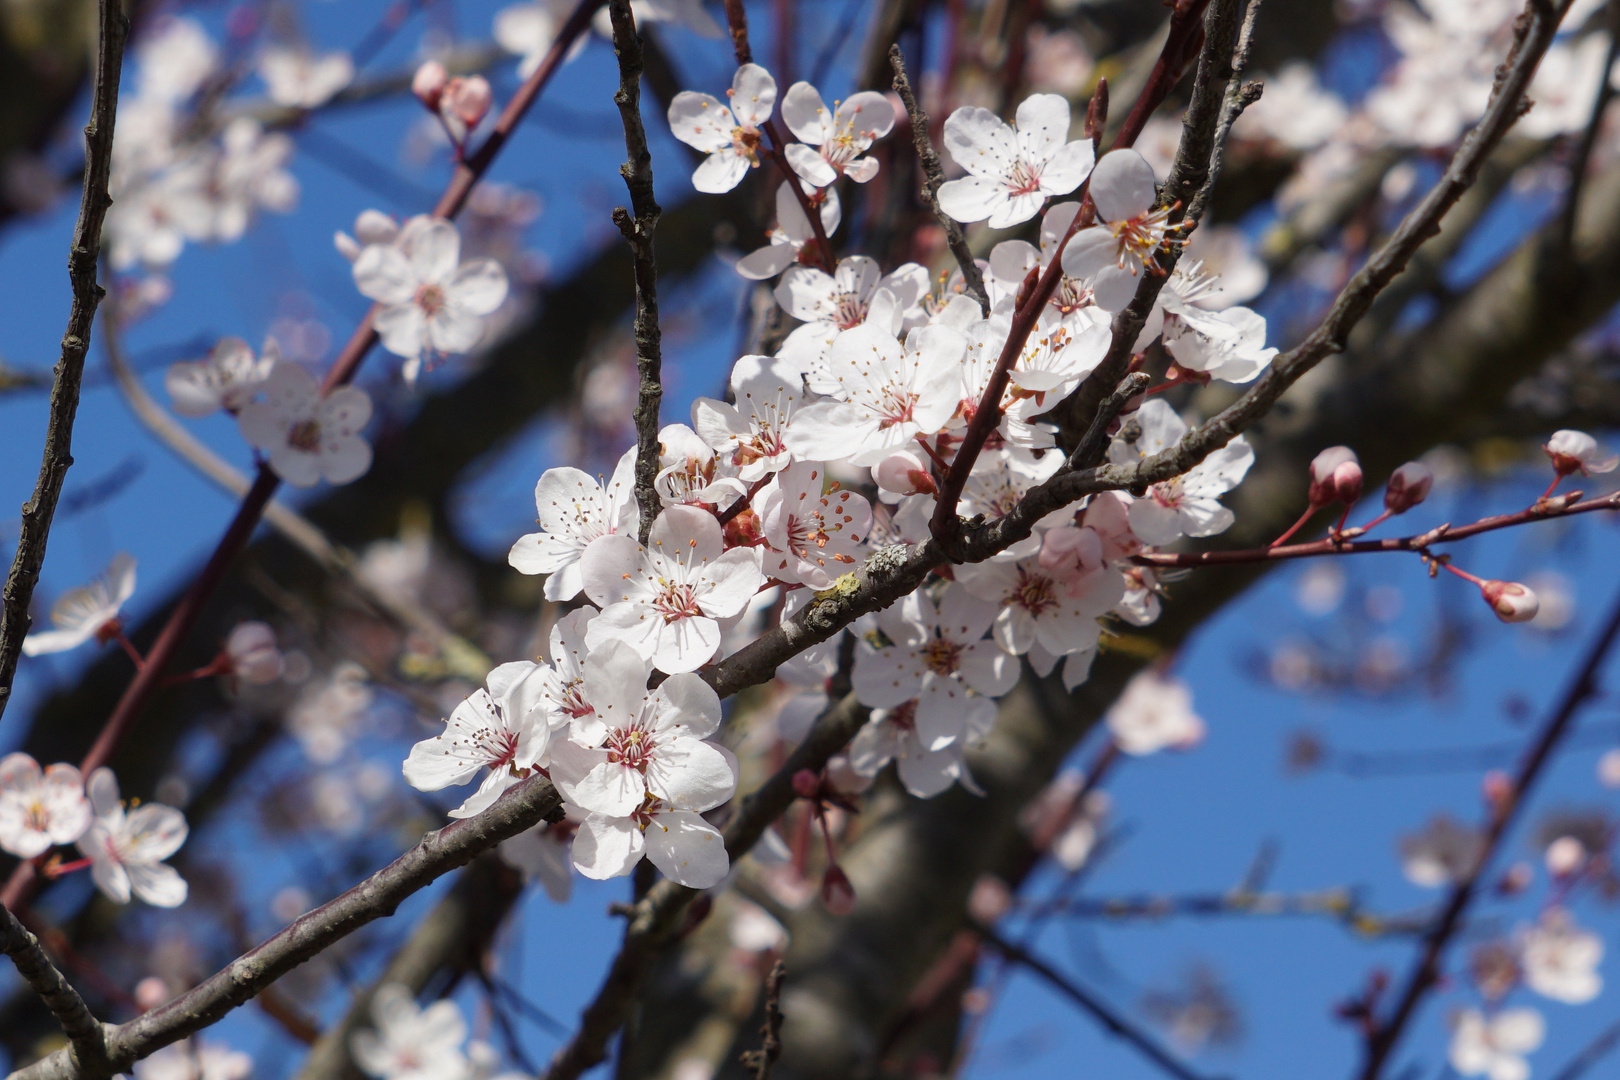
151,992
1335,476
1409,486
1578,452
904,472
429,83
467,99
837,892
1497,787
1511,601
1565,857
806,784
251,650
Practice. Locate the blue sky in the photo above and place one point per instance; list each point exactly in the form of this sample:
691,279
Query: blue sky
1190,822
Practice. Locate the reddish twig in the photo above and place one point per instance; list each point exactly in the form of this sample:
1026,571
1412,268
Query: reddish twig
1442,534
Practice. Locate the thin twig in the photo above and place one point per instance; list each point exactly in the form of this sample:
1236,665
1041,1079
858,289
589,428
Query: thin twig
186,613
86,1037
638,232
761,1060
1589,137
1386,1034
1594,1052
521,807
1239,96
933,177
1105,1014
1420,542
1094,443
83,257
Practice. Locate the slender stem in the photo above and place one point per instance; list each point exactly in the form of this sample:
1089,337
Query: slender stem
638,232
1310,512
38,511
1443,534
129,649
1386,1034
933,177
1565,237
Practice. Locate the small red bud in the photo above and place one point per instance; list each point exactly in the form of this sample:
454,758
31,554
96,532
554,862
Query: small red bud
806,784
1335,477
1409,486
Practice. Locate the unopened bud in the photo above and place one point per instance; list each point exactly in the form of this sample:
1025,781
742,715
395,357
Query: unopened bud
744,530
429,83
1511,601
1410,485
1335,476
151,992
904,472
467,99
836,891
1565,857
1497,787
251,650
1515,879
806,784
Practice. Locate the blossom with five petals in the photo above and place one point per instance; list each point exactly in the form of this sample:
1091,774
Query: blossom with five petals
573,508
39,808
308,436
126,849
729,134
750,433
90,611
1012,171
813,535
1494,1047
503,729
1186,505
227,378
1114,252
840,137
792,232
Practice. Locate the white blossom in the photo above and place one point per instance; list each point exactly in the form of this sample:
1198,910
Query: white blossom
1443,852
1012,171
530,28
1114,252
194,1059
573,508
1186,505
126,849
300,79
1155,713
750,433
409,1042
1295,110
856,293
308,436
886,394
432,302
891,735
729,134
1035,605
793,231
1576,451
370,227
690,473
665,600
1494,1046
1560,959
814,534
90,611
503,729
542,854
839,137
228,378
40,808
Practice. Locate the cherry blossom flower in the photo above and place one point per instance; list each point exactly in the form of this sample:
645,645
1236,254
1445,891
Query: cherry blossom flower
691,474
685,848
886,394
856,293
1494,1047
228,378
1011,172
1155,713
175,57
1560,959
1114,252
792,232
730,135
840,137
194,1059
126,849
528,30
1012,260
370,227
409,1042
1056,357
562,681
639,743
494,729
891,735
251,652
750,432
90,611
1443,852
299,79
1187,505
432,302
248,172
998,482
1034,604
39,808
936,656
1296,110
1576,451
542,854
813,535
573,508
665,600
306,435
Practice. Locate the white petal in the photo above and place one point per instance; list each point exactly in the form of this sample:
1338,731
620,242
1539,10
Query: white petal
687,849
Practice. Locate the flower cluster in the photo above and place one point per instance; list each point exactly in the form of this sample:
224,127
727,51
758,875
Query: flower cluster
123,847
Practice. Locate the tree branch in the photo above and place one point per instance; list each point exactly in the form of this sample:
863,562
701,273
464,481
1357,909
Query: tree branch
933,177
38,511
638,232
87,1039
519,808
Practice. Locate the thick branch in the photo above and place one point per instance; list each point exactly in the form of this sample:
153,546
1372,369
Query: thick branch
521,807
638,232
38,511
86,1037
